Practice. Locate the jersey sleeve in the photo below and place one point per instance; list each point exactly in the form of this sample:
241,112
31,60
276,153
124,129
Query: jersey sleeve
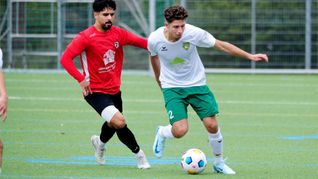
201,37
75,48
129,38
151,45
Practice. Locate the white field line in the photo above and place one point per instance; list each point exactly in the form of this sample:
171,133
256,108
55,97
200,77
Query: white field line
271,103
278,83
161,113
43,98
63,81
161,101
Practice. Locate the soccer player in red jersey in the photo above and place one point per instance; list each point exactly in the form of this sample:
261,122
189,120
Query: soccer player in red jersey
100,48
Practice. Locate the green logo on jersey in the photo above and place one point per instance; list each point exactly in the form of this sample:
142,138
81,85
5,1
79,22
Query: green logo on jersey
186,45
177,60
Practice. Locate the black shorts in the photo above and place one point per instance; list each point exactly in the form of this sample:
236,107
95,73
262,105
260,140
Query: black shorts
99,101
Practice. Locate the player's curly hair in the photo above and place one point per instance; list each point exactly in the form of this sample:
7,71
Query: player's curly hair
100,5
175,12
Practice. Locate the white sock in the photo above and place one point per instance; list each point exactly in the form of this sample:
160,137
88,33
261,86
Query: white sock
216,141
140,153
166,132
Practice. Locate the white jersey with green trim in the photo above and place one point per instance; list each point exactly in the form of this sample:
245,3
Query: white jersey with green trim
180,63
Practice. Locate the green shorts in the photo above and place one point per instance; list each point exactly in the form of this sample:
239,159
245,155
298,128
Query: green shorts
200,98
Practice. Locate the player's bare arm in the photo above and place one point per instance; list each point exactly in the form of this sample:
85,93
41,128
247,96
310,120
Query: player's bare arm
235,51
3,107
156,68
3,98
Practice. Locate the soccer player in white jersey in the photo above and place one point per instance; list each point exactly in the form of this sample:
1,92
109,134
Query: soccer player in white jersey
181,76
3,104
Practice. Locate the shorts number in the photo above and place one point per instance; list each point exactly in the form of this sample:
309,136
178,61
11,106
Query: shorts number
171,116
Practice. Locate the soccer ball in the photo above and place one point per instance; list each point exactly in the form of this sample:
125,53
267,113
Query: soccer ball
193,161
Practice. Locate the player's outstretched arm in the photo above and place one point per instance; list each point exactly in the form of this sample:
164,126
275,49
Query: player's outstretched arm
235,51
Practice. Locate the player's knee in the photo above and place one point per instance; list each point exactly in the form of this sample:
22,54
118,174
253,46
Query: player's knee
118,121
180,131
212,128
211,124
1,145
112,115
120,125
109,113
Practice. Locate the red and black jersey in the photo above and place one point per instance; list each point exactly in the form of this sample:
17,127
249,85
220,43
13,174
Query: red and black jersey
101,55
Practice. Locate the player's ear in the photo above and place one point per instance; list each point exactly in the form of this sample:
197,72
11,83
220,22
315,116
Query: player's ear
96,14
166,23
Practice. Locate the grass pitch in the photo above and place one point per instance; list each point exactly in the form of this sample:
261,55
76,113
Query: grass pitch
269,124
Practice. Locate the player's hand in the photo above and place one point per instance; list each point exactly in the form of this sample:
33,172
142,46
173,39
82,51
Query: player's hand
85,87
3,107
259,57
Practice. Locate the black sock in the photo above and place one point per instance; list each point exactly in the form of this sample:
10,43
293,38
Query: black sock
106,133
128,138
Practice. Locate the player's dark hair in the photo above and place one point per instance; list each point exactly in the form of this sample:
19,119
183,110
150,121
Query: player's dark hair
175,12
100,5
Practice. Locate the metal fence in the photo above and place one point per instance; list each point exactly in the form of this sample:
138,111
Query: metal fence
286,30
34,33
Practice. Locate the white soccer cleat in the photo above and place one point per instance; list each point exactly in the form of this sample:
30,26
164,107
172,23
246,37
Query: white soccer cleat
99,150
159,144
142,162
219,166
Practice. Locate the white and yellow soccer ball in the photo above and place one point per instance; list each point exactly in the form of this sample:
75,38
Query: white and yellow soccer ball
193,161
